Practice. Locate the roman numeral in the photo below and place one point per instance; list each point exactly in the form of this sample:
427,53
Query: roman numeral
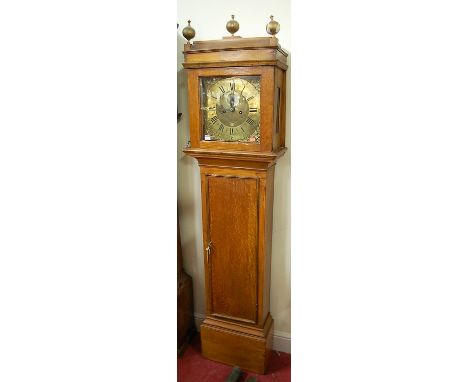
242,129
250,121
214,119
231,131
250,98
232,86
212,108
221,127
212,96
222,89
253,109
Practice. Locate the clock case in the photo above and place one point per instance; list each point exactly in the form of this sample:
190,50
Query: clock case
237,180
240,57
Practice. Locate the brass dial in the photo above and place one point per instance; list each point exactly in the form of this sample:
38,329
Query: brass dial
231,109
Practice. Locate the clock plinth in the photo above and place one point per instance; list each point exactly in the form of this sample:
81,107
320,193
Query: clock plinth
236,89
243,346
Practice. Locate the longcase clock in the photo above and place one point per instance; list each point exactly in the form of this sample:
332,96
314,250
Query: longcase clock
236,91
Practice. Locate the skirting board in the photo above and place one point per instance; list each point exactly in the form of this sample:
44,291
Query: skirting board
281,340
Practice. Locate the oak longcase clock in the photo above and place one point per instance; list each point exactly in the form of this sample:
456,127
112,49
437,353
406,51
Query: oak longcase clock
236,91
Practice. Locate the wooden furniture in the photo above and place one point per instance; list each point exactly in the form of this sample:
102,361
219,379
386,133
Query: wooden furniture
185,321
237,163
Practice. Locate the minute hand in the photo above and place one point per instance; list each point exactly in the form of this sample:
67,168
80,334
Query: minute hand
231,101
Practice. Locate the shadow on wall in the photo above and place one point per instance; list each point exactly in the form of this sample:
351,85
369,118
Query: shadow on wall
188,190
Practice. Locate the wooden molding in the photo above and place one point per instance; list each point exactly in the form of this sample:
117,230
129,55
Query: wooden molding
237,43
281,340
237,345
256,51
242,158
222,64
257,155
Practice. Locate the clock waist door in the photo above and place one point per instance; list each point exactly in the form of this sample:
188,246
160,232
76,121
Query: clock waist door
233,232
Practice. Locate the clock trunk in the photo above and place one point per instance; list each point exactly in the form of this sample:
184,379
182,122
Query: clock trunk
237,219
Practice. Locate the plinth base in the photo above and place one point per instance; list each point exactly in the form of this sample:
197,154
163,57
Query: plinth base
237,345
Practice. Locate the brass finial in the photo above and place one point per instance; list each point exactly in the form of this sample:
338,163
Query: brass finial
272,27
232,26
188,32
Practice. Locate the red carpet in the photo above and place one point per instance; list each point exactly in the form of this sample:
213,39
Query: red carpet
192,367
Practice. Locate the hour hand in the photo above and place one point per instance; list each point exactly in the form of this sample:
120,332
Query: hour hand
223,110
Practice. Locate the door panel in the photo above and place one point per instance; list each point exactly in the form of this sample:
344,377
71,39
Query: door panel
233,231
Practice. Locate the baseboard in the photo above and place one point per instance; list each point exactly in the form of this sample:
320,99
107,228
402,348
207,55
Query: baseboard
281,340
198,320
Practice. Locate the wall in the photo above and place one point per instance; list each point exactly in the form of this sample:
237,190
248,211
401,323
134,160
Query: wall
209,19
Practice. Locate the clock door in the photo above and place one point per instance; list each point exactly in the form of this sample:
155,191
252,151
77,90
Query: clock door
233,230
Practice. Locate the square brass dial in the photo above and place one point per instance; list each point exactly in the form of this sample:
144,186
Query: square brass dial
230,109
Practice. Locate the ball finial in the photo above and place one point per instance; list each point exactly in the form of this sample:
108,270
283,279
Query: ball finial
272,27
188,32
232,26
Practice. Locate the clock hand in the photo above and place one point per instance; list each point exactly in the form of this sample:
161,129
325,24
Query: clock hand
231,102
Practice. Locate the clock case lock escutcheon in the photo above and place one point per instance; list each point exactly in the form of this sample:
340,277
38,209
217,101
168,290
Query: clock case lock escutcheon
208,252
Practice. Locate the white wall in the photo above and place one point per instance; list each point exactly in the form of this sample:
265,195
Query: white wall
209,19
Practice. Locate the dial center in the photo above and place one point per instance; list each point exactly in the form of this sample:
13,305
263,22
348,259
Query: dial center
237,106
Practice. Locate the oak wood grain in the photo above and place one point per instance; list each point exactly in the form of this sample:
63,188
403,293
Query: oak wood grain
234,345
231,55
238,43
233,231
226,64
268,222
264,197
267,108
237,181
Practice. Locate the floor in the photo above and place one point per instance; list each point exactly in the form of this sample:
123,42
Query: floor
192,367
